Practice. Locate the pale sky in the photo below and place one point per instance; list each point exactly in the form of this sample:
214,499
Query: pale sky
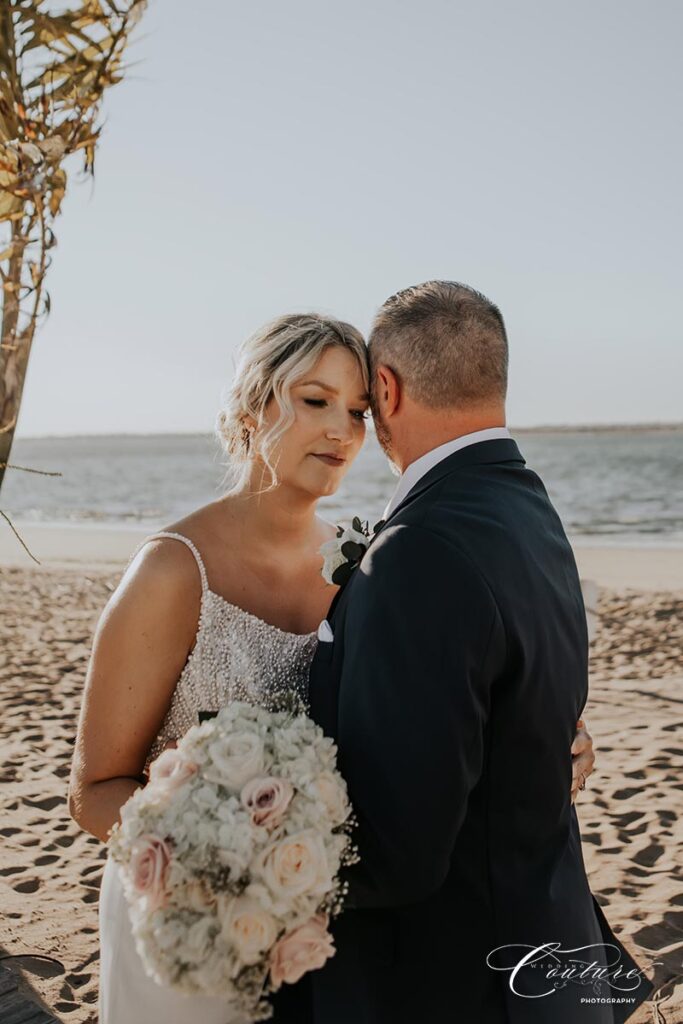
264,158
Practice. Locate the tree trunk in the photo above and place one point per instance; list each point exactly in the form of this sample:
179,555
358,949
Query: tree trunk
15,349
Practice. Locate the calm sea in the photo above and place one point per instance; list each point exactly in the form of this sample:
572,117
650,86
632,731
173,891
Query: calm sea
619,487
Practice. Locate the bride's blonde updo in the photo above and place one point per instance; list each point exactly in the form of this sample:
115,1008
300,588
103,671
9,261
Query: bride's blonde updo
270,362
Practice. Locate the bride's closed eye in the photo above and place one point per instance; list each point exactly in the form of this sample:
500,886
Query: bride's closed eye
321,403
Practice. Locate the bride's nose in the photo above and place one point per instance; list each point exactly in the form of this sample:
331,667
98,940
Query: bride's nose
340,431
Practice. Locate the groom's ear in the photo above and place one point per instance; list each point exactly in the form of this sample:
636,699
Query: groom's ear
388,390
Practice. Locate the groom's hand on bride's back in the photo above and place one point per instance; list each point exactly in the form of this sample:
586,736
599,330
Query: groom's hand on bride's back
583,758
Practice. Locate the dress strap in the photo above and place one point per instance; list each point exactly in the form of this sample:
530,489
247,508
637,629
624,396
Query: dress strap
163,534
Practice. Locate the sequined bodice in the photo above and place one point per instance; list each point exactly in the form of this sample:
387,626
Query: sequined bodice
236,656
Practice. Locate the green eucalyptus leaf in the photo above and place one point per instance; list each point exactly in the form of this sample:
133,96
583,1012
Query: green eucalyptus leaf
352,551
342,574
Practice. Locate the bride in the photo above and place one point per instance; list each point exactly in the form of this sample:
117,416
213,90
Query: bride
223,605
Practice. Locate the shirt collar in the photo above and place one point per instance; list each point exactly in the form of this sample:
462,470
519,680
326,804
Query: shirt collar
416,470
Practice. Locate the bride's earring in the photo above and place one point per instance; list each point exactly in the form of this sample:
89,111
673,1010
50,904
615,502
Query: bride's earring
248,434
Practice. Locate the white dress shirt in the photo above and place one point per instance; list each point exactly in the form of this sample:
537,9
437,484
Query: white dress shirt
416,470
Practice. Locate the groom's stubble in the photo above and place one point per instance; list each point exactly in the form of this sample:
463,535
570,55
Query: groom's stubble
383,433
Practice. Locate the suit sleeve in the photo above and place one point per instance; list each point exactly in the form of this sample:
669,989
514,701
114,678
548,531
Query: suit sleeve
423,641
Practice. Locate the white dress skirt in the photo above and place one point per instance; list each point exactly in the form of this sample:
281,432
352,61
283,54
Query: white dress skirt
236,656
127,993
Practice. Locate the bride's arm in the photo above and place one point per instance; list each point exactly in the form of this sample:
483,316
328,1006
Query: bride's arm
141,644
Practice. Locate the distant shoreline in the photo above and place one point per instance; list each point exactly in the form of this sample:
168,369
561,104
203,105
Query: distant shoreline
588,428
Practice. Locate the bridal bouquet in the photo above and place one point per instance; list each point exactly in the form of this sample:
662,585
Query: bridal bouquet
230,856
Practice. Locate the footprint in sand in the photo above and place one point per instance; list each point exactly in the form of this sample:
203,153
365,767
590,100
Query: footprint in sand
625,794
78,979
64,840
623,820
635,831
638,872
649,856
30,885
47,804
91,869
657,936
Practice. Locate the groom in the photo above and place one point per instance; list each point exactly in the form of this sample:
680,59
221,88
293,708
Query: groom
452,678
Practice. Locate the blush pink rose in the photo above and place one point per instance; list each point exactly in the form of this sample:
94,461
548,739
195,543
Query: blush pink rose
170,770
148,868
304,949
267,799
295,866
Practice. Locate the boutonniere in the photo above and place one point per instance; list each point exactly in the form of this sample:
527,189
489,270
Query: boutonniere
343,554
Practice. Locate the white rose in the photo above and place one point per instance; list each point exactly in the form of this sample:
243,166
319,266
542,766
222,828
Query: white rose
236,758
332,796
332,558
295,866
250,928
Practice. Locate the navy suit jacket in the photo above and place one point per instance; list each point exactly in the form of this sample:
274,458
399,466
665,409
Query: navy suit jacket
453,686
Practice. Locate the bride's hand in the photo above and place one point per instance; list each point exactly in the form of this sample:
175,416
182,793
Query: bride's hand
583,758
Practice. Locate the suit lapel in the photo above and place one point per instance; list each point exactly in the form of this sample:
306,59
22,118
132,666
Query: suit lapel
482,453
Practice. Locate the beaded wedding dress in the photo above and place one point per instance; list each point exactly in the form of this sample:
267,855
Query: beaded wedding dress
237,656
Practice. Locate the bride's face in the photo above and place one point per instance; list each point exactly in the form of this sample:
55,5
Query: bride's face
330,408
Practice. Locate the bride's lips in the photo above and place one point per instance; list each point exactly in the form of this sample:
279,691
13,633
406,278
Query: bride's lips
330,460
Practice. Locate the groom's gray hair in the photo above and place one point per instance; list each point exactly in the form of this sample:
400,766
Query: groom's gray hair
445,341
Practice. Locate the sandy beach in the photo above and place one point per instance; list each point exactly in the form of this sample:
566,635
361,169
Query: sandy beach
50,870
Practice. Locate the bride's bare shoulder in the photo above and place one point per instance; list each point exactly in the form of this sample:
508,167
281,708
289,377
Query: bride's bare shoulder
168,565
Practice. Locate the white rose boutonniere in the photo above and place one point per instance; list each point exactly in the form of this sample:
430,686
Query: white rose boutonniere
343,554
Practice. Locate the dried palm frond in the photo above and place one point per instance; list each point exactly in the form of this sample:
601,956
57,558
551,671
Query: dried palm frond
55,65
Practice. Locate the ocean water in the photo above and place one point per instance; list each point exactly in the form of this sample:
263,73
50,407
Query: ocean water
615,487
